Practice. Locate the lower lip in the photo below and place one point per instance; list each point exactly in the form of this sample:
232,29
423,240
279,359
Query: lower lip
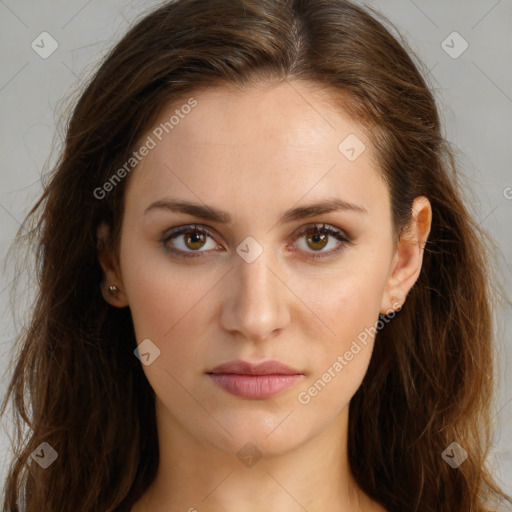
255,387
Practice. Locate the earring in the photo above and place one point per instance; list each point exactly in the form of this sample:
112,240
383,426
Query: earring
112,289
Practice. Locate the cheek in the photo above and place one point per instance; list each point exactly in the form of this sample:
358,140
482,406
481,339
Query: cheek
161,294
170,304
165,304
341,359
346,307
346,301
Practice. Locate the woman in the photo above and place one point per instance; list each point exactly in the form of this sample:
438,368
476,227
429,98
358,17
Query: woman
260,287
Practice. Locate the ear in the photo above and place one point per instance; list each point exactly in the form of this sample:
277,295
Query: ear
112,287
408,257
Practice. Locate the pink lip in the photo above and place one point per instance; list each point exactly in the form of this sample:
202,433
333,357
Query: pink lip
256,381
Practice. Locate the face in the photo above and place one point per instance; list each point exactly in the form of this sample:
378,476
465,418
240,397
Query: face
269,277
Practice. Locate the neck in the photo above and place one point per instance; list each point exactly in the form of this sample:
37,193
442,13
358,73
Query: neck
194,476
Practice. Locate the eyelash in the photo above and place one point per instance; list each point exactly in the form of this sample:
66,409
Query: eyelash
314,229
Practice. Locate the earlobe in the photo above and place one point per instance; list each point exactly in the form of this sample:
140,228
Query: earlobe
111,285
408,259
113,295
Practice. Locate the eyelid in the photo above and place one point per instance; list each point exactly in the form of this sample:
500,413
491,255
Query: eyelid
320,226
332,231
181,230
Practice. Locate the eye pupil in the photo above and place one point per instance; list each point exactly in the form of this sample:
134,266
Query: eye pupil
196,238
318,238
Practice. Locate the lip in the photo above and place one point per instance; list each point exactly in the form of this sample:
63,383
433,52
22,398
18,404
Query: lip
268,367
255,381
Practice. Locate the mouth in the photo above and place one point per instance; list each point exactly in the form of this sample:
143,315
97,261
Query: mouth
255,381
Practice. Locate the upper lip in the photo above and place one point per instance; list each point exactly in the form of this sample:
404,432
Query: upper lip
269,367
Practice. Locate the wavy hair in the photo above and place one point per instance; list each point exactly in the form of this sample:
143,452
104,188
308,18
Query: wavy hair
75,382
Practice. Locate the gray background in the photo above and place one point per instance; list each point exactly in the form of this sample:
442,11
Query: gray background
474,92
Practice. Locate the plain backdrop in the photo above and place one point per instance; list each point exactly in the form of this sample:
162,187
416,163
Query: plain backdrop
472,84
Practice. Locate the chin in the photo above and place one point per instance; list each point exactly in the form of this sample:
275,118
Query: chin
256,438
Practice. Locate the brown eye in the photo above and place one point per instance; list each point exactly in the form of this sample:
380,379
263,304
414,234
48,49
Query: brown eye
318,237
187,240
194,240
317,240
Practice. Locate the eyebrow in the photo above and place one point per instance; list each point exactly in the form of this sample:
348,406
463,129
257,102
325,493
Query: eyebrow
220,216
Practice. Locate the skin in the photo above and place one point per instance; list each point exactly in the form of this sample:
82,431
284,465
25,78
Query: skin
256,154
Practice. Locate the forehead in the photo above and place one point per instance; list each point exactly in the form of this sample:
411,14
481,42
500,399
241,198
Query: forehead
264,145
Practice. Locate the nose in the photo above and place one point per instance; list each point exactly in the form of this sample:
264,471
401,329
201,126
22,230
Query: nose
255,305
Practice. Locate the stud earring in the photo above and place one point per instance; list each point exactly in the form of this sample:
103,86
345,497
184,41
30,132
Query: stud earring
112,289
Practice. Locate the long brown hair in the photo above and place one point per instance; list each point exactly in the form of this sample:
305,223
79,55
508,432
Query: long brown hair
76,382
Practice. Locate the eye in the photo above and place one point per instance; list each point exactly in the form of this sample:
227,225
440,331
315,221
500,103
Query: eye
191,239
318,237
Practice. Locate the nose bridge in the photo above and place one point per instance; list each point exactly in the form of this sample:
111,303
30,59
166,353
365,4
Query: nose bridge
255,305
256,279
